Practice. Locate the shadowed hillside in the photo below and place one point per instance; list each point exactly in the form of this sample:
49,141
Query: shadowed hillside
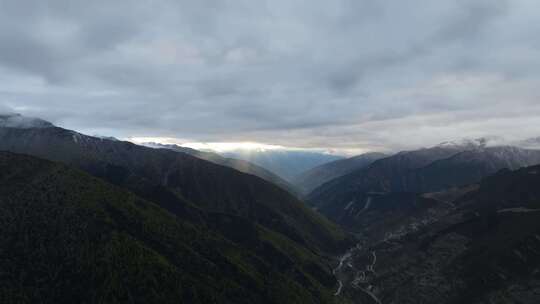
179,182
485,250
67,237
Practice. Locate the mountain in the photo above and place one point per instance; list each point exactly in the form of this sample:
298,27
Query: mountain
422,171
23,122
469,167
485,250
313,178
381,175
285,163
68,237
177,181
240,208
237,164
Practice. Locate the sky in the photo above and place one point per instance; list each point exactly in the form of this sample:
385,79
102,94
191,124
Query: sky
341,75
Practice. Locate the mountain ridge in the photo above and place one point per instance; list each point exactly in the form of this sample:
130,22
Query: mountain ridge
417,172
237,164
176,180
312,178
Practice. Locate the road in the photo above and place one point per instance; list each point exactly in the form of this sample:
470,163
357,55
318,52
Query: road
360,277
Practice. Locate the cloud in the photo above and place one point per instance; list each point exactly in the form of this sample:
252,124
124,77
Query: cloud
345,75
4,110
22,122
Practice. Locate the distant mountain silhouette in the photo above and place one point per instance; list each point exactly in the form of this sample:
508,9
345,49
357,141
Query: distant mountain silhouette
312,178
288,164
237,164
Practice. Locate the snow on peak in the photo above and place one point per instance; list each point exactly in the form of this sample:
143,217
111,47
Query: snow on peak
476,143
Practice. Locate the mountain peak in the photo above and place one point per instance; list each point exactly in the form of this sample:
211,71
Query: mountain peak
471,143
18,121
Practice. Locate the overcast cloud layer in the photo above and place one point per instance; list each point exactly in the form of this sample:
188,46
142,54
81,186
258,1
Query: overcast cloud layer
351,74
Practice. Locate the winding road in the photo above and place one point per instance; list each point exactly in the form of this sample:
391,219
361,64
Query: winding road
342,260
339,288
360,276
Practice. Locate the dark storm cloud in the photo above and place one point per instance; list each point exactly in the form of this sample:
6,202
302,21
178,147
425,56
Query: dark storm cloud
336,74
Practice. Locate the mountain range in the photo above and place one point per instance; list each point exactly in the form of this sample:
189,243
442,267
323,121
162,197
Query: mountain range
448,224
344,199
194,231
100,220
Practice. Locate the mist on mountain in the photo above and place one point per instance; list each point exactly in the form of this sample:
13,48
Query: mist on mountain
286,163
14,120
